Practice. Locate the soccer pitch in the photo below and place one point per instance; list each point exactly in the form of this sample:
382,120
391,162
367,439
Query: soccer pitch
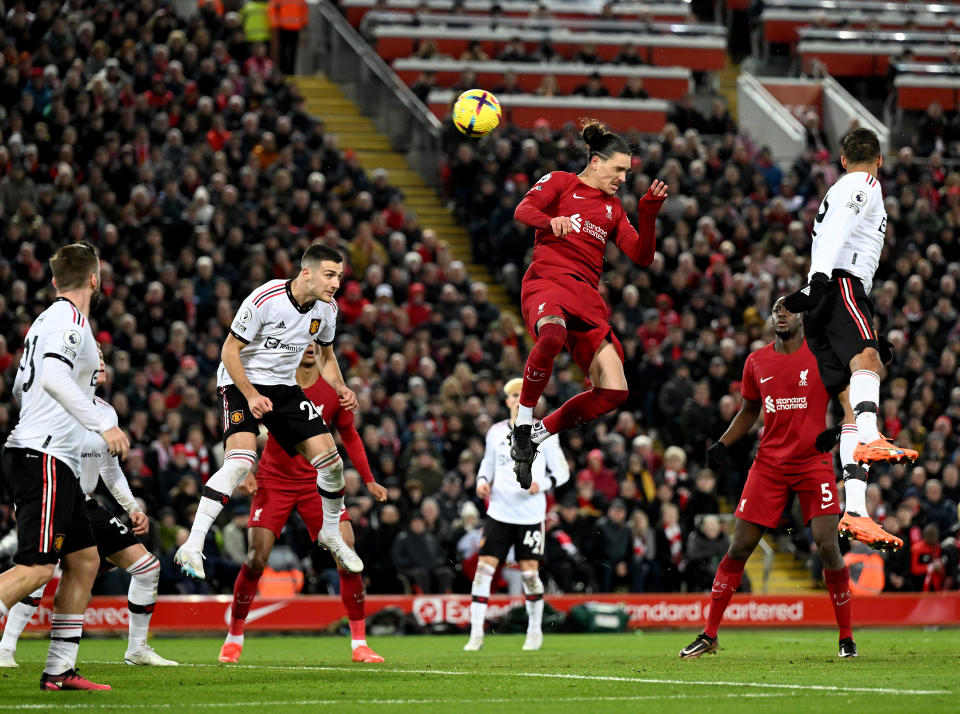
779,670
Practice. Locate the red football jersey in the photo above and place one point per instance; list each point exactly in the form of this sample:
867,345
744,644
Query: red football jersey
277,468
596,218
794,403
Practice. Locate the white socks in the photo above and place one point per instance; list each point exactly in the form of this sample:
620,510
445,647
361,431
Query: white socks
481,593
854,489
235,639
524,415
236,465
539,433
65,633
330,484
865,387
141,598
533,588
17,618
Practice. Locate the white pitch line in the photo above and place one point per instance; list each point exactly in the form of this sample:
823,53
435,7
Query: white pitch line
588,677
341,702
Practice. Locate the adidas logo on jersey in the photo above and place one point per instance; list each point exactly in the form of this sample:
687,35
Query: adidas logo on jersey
281,325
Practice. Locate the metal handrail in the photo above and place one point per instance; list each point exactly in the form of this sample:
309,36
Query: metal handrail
343,55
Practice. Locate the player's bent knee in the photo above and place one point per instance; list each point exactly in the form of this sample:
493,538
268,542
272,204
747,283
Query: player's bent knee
330,481
39,574
531,582
552,337
610,399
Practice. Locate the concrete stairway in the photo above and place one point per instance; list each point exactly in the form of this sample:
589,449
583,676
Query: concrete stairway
354,131
788,577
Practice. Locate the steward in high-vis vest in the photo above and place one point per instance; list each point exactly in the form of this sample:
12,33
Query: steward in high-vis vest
287,18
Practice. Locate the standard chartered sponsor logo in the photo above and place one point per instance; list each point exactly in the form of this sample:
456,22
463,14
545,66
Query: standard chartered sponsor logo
783,404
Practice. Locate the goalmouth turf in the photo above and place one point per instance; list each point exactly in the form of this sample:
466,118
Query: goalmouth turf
783,670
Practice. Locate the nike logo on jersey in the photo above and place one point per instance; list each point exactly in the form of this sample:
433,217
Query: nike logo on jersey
765,379
576,196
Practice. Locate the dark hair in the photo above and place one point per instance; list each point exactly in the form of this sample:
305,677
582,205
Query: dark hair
861,145
319,252
602,142
73,264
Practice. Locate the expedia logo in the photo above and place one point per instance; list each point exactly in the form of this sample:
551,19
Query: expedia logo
236,417
58,542
314,326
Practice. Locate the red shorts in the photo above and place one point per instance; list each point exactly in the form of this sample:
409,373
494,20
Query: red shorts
766,492
271,507
581,307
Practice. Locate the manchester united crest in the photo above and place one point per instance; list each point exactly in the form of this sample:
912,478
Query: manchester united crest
58,542
314,326
236,417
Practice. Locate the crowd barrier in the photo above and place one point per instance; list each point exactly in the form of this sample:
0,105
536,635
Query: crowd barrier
313,613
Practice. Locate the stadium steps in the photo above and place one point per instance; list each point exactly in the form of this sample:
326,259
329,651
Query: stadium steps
788,577
343,119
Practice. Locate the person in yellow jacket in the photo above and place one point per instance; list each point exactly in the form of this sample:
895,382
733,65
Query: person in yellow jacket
256,23
287,18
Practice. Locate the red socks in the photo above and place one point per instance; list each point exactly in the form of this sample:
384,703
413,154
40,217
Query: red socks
352,595
550,341
838,585
582,408
244,591
729,574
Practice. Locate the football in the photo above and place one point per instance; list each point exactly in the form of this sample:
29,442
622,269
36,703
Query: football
476,112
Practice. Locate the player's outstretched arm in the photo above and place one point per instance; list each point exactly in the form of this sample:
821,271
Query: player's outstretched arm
640,243
353,445
230,356
330,371
717,456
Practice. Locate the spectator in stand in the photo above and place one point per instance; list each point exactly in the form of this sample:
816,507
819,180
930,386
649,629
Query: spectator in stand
644,568
615,548
669,548
604,480
565,564
592,88
419,557
936,508
926,561
633,89
705,549
629,55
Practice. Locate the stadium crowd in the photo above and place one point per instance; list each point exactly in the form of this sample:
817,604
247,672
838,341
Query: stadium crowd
177,148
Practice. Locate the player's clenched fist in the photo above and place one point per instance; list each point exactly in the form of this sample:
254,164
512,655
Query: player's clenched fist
260,405
483,489
141,524
348,399
561,226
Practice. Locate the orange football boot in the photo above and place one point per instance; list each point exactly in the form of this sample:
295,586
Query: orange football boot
365,654
883,449
865,530
230,652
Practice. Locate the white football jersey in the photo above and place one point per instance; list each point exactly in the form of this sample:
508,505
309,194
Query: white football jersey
508,502
95,459
850,228
62,333
277,329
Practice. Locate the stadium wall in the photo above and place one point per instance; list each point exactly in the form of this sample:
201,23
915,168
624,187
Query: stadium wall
198,613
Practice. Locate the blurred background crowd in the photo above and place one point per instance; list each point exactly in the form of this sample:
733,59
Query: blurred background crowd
176,146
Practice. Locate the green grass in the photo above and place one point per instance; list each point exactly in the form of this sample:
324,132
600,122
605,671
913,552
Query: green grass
782,670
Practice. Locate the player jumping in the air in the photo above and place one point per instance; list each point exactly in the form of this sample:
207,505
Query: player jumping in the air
116,544
257,381
514,519
285,482
54,387
848,238
781,381
574,216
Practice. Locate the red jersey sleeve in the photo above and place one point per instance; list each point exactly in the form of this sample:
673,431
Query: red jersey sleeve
530,212
353,444
749,387
640,245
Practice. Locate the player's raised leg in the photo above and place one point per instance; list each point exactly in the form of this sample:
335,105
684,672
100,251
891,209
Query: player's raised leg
533,599
480,595
260,542
746,536
241,453
66,627
856,522
551,331
836,577
321,452
17,620
864,395
609,392
144,569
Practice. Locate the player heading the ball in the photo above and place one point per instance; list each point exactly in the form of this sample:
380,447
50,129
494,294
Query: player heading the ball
574,216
